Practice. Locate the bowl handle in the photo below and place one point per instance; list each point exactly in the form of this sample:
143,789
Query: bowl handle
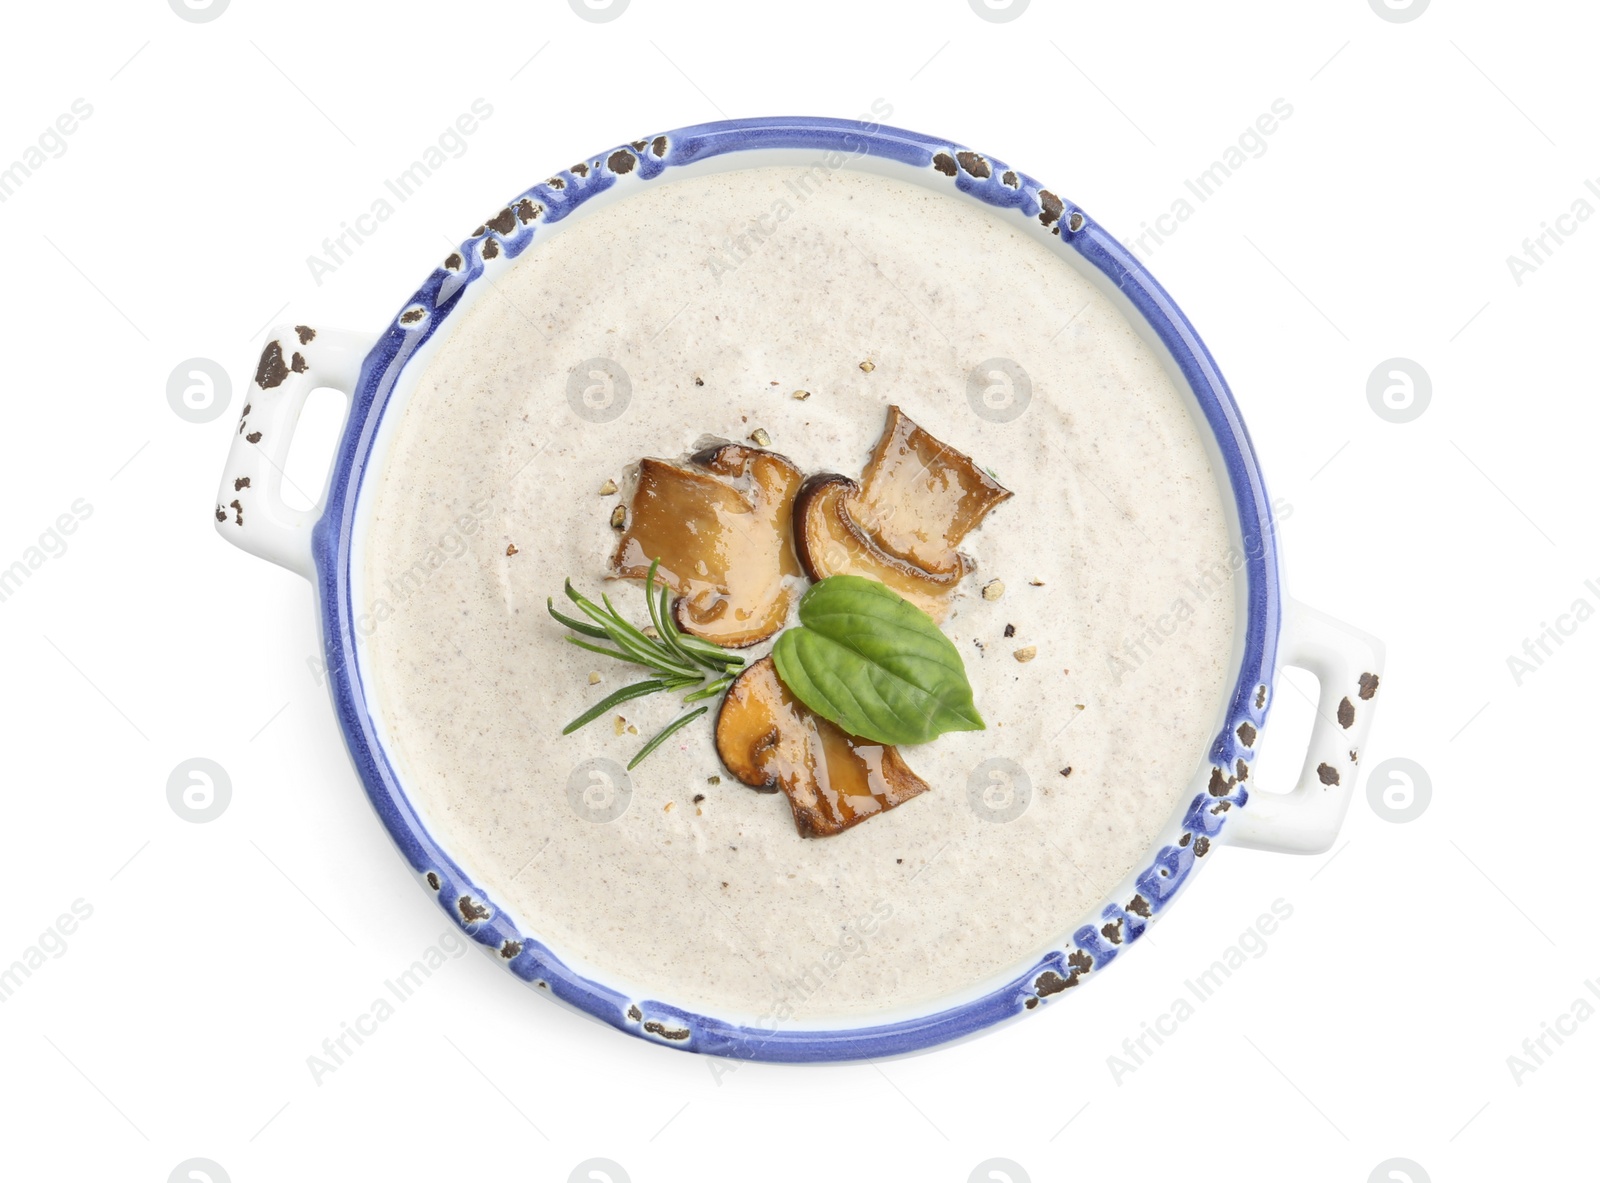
1347,663
250,510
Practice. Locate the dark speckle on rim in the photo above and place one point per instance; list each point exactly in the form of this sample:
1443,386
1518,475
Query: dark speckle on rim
254,437
1261,697
1030,1002
1201,845
1112,932
579,170
1139,906
411,316
1247,734
1369,686
453,263
503,222
1327,774
222,513
945,163
661,1029
238,509
433,880
242,482
621,162
1009,179
271,370
1347,713
527,211
297,363
1241,770
1050,982
658,147
634,1012
510,949
471,910
491,248
973,163
1075,222
556,183
306,335
1050,207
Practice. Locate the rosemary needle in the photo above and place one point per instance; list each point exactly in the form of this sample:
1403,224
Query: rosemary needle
661,735
637,690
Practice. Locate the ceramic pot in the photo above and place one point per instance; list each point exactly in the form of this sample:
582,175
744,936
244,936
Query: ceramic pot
1220,807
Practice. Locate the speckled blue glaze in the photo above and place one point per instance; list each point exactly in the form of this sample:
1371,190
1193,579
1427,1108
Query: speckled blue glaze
1094,945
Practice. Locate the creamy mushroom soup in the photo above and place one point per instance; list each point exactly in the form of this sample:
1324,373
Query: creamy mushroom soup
794,307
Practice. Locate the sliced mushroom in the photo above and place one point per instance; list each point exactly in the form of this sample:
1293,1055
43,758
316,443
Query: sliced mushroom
770,740
924,496
832,541
917,500
721,524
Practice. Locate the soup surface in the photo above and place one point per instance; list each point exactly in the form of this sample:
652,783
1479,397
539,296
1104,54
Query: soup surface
716,299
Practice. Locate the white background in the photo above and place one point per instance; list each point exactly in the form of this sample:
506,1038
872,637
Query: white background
218,956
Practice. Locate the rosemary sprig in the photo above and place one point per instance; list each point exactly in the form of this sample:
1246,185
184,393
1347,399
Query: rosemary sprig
680,661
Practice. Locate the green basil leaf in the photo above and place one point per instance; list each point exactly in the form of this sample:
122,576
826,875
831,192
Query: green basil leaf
875,665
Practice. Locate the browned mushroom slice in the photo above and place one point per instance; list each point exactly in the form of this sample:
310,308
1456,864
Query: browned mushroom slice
917,500
770,740
831,541
722,527
924,497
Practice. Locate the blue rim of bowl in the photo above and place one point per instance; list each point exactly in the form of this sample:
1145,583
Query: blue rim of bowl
512,230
